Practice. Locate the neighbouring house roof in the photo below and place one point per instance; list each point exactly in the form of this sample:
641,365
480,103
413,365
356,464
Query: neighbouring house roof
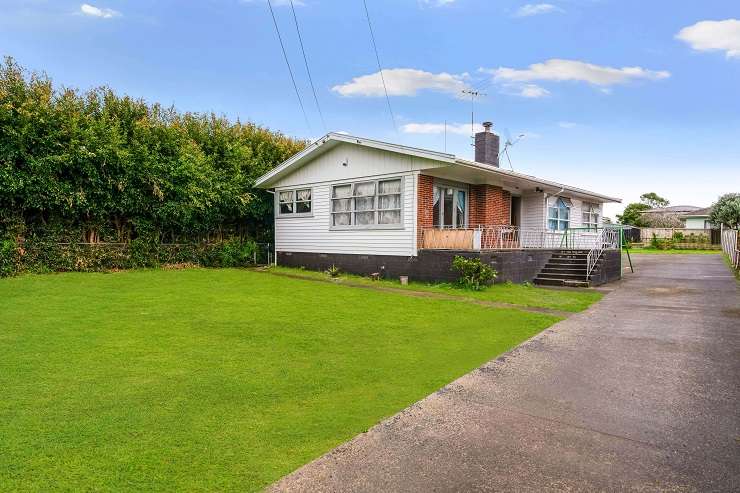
674,209
705,212
332,139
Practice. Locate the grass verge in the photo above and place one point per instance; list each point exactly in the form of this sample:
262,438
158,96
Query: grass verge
218,379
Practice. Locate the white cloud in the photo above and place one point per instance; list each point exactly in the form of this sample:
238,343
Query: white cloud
574,70
402,82
93,11
537,9
439,128
713,36
532,91
567,124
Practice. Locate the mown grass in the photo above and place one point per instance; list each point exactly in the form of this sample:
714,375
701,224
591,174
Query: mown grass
674,251
215,380
570,300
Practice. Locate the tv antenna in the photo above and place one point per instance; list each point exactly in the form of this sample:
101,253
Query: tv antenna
473,94
509,143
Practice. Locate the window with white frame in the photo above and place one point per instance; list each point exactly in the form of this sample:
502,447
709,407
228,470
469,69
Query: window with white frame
367,204
294,202
590,216
558,215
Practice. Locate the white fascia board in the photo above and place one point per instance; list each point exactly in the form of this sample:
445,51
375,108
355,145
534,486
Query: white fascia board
332,139
537,181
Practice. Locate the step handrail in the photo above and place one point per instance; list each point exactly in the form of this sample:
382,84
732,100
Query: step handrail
607,238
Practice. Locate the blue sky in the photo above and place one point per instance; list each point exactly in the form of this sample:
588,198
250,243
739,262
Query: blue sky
618,96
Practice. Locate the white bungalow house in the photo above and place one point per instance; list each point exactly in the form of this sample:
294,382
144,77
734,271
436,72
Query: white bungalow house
375,207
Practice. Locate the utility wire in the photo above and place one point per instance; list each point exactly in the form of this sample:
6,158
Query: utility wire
285,55
380,67
308,71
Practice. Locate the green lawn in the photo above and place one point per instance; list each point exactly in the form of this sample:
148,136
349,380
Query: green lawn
215,380
570,300
673,251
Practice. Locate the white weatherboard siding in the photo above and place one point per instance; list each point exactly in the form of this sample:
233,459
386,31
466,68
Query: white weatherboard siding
349,162
533,211
314,234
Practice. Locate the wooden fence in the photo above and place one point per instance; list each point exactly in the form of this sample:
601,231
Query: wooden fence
683,237
731,246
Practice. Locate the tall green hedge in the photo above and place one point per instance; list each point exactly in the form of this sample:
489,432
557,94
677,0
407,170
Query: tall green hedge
88,167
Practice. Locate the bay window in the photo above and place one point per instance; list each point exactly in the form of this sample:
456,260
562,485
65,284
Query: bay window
558,215
367,204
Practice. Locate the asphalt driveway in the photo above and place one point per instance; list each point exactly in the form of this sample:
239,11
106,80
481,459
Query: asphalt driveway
641,391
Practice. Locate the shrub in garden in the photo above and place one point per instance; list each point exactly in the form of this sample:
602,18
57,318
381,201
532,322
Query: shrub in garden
474,274
8,258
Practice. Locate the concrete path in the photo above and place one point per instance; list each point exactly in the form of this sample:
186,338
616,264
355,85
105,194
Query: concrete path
640,392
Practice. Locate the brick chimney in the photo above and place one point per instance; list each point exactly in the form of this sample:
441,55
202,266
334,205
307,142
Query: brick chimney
486,145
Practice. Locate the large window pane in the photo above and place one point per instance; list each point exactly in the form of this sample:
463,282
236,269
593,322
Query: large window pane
341,219
389,217
447,203
364,203
303,207
460,209
341,205
286,208
364,189
389,202
303,195
364,218
389,186
341,191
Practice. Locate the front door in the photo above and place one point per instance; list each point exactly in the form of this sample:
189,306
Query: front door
450,207
516,210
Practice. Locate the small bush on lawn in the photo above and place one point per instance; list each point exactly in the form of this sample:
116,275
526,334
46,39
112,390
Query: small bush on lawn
474,274
333,271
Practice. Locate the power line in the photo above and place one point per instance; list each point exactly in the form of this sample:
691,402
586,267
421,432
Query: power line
308,71
285,55
380,67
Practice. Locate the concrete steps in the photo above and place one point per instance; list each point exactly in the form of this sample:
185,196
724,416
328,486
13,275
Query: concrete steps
566,268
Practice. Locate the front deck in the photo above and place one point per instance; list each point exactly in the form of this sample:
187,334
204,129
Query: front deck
573,257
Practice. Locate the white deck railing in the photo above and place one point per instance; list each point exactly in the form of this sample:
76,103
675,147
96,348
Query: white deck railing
503,237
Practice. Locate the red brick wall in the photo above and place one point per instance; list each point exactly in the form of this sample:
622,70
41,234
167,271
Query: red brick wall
424,205
489,205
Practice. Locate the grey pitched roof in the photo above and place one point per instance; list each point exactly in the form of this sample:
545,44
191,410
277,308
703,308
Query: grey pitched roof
699,212
674,209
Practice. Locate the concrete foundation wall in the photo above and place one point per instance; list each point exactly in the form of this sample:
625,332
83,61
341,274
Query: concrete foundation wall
611,268
429,266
